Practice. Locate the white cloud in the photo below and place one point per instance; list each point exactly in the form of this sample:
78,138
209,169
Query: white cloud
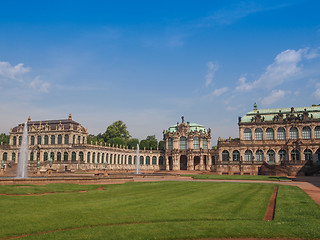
243,85
219,91
40,85
316,93
212,68
275,96
284,67
12,72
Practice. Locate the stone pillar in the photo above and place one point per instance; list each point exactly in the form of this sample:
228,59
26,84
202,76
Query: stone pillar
253,136
176,162
201,162
166,158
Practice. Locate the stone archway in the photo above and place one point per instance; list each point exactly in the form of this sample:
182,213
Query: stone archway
196,163
183,162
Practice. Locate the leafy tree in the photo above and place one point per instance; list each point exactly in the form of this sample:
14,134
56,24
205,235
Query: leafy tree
161,145
4,138
132,143
150,138
144,144
117,141
116,129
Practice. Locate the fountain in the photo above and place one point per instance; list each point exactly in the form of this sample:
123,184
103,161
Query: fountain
138,161
23,154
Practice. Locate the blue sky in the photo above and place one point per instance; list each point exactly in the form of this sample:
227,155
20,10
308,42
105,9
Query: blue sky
147,63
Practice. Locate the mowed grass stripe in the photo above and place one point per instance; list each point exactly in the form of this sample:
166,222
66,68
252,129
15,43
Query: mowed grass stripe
135,203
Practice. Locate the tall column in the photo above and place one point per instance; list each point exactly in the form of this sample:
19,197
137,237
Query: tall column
201,162
166,158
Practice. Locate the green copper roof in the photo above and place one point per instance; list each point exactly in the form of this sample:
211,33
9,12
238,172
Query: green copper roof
193,127
269,114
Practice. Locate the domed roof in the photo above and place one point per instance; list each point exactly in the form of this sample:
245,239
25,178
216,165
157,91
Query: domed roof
192,127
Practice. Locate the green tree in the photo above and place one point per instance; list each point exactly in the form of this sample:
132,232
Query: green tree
144,144
4,138
117,141
161,145
116,129
132,143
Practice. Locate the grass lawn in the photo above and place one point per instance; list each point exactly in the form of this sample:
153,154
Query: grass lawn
159,210
237,177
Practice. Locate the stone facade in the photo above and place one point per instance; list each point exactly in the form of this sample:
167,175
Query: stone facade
271,141
63,145
187,147
281,137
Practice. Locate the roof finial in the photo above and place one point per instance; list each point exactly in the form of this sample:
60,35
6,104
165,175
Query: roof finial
182,119
29,119
70,117
255,107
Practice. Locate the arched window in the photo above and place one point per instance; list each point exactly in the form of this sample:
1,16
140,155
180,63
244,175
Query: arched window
52,156
79,138
66,139
98,157
306,133
141,160
281,133
39,140
83,139
65,156
13,157
160,160
59,139
147,160
196,143
247,134
204,143
45,156
225,156
269,134
74,139
170,144
213,160
102,157
271,156
236,156
317,132
282,155
4,156
73,156
318,156
59,157
259,156
294,133
308,155
20,140
93,157
183,143
130,160
154,160
258,134
81,156
107,158
38,156
88,157
118,158
46,140
32,140
248,156
14,141
31,156
295,155
53,139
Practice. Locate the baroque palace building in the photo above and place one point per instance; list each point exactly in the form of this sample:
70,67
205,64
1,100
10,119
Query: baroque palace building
271,141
